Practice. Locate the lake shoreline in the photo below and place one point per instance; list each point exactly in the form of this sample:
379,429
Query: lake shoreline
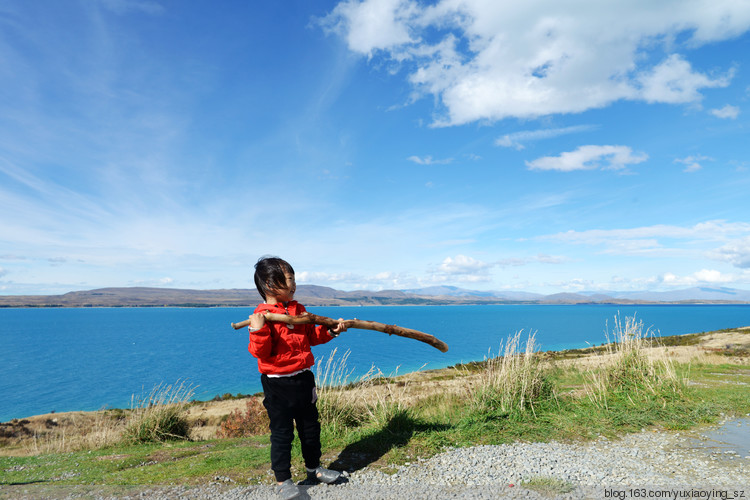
64,357
728,345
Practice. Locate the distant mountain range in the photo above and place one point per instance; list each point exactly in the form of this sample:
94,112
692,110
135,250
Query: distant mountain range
699,294
313,295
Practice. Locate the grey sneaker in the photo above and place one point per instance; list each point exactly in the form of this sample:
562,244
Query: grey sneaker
323,475
288,490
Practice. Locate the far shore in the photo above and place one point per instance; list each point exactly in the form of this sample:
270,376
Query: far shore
319,296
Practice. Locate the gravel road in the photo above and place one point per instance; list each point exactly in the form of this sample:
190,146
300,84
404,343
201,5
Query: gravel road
642,465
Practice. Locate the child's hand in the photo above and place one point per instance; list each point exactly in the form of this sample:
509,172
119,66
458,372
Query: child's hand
257,321
341,327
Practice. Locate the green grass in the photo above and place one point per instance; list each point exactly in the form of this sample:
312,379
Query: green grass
155,463
424,430
548,486
549,403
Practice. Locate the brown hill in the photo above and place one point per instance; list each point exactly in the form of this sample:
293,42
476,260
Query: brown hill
314,295
172,297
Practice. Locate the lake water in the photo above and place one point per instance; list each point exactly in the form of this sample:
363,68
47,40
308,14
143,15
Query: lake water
92,358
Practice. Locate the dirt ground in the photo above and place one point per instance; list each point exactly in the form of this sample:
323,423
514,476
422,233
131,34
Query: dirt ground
58,431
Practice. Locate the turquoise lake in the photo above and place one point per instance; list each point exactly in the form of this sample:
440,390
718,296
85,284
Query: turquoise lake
61,359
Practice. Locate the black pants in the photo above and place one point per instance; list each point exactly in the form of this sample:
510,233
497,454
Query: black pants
289,400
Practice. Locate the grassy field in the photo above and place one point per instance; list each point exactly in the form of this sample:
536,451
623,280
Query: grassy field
633,383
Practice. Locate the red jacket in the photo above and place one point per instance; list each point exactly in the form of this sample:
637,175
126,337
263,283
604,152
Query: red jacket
282,348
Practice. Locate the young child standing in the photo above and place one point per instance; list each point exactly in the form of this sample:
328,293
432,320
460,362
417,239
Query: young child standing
284,361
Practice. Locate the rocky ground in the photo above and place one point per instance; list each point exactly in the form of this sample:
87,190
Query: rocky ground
655,464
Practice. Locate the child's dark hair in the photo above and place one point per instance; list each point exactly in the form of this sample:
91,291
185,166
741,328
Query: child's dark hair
269,274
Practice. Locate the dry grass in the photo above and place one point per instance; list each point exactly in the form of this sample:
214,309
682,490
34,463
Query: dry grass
338,408
81,432
513,382
159,415
373,397
629,364
61,432
712,348
206,416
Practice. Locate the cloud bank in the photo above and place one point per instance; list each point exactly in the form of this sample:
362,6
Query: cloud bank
486,61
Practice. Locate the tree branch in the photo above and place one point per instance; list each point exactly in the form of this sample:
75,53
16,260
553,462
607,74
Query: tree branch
309,318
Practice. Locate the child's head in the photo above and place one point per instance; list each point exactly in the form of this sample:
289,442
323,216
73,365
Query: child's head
274,277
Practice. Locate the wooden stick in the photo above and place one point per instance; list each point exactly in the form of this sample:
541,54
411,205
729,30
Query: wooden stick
308,318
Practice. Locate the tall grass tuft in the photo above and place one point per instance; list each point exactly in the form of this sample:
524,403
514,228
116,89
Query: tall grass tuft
630,368
514,382
336,406
372,399
387,403
161,415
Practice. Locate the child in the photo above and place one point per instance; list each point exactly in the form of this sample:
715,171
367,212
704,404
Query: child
284,361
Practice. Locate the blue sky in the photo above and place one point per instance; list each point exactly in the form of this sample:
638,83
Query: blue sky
543,146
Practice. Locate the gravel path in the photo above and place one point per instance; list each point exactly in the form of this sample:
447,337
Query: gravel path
644,465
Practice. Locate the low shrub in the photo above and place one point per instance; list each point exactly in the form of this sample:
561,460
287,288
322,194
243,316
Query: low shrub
252,422
228,396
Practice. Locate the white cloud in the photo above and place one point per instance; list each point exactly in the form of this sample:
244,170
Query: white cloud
668,240
166,281
674,81
737,253
3,272
692,163
352,281
539,258
728,111
709,230
463,269
321,277
711,276
589,158
428,160
373,25
551,259
516,139
702,277
461,264
664,281
576,285
493,60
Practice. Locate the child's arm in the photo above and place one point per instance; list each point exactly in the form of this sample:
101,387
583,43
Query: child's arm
261,342
321,334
